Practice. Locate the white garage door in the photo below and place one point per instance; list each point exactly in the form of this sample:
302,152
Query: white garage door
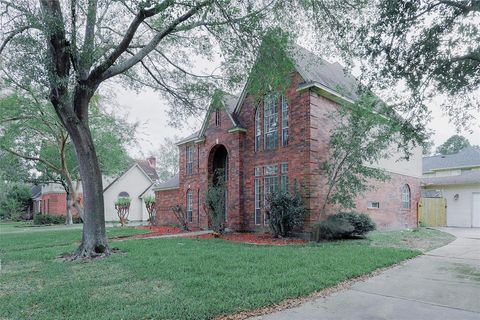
476,210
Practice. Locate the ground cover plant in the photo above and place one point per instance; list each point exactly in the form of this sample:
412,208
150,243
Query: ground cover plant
182,278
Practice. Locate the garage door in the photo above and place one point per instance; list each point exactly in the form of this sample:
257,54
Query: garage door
476,210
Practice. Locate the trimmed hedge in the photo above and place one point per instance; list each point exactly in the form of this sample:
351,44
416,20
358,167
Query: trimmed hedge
343,225
48,219
40,219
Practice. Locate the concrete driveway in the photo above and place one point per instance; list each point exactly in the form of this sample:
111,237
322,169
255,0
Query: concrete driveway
441,284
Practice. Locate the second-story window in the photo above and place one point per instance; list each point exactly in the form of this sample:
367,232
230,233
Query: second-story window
258,128
284,121
218,118
270,117
189,160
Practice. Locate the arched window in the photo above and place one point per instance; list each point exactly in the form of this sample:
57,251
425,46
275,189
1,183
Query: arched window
258,128
189,205
406,197
123,194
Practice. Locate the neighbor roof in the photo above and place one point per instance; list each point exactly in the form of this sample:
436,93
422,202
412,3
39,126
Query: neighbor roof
172,183
36,191
150,171
468,157
466,177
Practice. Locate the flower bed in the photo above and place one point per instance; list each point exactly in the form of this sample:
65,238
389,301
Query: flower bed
155,231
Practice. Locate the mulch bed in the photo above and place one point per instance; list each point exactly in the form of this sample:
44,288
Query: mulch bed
254,238
155,231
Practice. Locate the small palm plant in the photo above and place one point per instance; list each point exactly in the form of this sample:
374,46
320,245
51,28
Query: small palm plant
122,205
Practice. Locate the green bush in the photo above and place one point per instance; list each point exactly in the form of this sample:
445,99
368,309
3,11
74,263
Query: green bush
285,211
14,199
343,225
41,219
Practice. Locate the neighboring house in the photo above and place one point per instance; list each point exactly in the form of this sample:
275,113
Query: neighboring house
136,183
266,148
455,177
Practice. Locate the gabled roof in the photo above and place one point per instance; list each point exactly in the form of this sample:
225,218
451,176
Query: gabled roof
230,102
150,171
317,71
144,167
173,183
468,157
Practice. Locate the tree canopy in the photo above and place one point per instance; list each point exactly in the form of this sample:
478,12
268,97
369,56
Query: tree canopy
423,49
454,144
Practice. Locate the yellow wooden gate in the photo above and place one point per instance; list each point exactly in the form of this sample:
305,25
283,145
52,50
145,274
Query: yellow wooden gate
432,212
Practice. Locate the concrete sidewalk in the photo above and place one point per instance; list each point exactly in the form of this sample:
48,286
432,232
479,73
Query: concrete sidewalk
441,284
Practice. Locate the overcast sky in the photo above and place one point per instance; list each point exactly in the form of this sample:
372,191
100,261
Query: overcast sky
149,109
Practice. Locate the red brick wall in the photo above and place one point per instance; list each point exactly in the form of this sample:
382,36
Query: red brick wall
295,153
391,215
56,204
164,201
309,134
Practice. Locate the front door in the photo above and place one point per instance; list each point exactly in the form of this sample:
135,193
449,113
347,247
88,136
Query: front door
476,209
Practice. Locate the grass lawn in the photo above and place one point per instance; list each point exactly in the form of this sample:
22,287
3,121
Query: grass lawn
171,278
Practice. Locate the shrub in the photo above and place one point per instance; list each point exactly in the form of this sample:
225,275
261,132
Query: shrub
343,225
14,199
285,212
41,219
215,202
150,205
122,205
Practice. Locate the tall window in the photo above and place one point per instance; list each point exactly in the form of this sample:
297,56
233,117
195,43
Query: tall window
218,118
189,160
258,201
284,177
270,182
406,197
189,205
270,118
284,121
258,128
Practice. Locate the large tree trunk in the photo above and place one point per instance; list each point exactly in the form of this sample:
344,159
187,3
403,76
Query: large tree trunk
94,240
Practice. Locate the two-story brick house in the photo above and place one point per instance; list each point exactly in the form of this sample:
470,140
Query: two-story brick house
266,147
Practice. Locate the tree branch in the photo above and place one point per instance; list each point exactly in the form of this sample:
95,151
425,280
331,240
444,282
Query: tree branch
12,35
115,70
127,39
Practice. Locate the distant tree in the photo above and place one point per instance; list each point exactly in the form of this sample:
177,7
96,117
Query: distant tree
427,147
167,158
14,198
33,139
364,133
454,144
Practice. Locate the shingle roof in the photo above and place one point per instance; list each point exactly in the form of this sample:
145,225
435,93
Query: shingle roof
314,69
150,171
467,157
230,101
169,184
36,191
466,177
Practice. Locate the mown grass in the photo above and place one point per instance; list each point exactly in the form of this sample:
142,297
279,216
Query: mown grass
171,278
423,239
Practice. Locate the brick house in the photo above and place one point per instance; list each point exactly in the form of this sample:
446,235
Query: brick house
267,147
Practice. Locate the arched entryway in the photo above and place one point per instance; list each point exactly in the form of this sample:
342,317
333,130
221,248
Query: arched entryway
218,168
